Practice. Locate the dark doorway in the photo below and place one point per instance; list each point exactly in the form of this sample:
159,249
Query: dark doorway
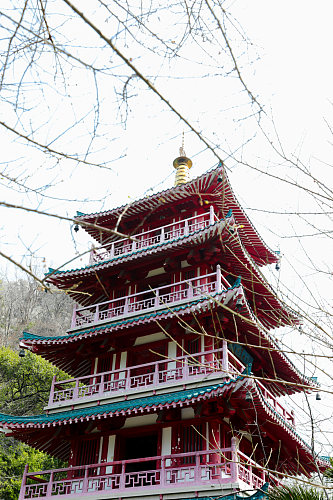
140,447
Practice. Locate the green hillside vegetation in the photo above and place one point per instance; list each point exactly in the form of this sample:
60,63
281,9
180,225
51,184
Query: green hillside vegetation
24,389
25,381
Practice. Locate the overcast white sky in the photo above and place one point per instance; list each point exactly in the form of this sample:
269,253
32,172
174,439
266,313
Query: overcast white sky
287,65
292,77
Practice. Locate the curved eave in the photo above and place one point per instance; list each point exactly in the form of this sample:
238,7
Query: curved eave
213,184
27,428
120,408
270,310
278,361
64,279
50,347
301,456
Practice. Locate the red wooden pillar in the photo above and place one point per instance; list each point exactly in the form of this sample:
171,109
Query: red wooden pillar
176,444
214,441
234,460
104,452
209,346
117,365
72,457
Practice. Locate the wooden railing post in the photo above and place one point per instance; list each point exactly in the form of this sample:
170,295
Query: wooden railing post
156,377
197,472
101,385
157,297
234,461
218,279
190,290
162,237
112,250
23,484
162,472
185,369
126,306
76,389
73,324
211,215
250,475
128,379
85,480
225,356
186,228
122,477
92,256
52,390
49,486
96,315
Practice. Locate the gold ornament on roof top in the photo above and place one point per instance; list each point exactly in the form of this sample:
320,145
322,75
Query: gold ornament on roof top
182,165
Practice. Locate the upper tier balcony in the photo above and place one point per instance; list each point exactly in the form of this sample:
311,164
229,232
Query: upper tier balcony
150,300
158,236
165,374
202,471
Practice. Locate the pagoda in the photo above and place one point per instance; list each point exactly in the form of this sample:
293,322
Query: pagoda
175,383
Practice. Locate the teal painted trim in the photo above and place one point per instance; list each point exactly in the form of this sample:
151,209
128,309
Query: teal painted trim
151,247
280,417
31,336
118,406
79,214
241,353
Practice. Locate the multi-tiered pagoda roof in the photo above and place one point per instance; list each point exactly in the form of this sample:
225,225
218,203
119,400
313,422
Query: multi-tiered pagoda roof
186,273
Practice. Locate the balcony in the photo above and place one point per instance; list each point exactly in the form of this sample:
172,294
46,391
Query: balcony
276,405
204,471
160,235
164,374
150,300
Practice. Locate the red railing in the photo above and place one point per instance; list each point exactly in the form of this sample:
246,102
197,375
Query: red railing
152,299
163,234
249,472
165,372
276,405
185,471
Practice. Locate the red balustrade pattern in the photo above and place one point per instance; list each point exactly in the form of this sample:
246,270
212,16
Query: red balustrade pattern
249,472
190,470
151,299
182,369
163,234
276,405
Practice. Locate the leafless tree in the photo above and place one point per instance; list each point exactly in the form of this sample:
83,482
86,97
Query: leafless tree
80,80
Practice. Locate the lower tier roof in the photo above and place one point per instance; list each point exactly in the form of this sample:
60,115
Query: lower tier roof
64,351
33,429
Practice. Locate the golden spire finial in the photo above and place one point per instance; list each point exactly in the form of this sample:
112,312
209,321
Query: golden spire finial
181,149
182,165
